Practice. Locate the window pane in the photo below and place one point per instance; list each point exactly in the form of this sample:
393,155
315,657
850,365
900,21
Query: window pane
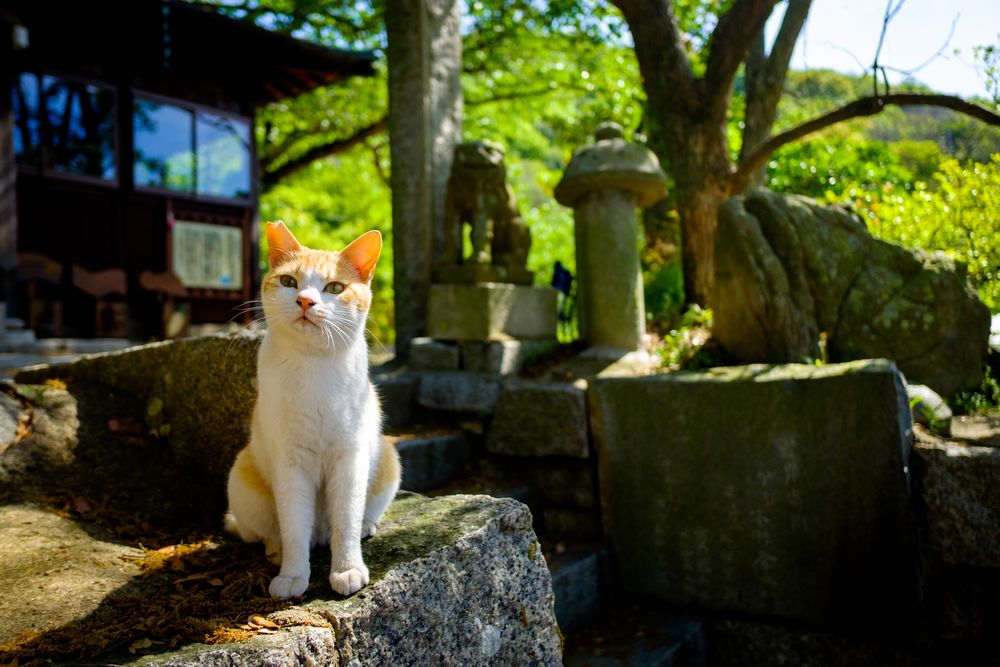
164,156
26,119
80,137
223,156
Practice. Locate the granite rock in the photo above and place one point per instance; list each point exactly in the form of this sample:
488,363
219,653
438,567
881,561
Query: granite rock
791,274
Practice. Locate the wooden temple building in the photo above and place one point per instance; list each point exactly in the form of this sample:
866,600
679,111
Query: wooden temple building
128,173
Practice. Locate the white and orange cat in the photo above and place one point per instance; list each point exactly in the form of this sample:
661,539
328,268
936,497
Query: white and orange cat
316,469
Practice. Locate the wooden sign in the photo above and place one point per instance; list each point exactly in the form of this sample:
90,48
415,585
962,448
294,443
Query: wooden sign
208,256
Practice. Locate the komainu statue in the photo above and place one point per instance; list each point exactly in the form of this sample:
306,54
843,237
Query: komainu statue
478,195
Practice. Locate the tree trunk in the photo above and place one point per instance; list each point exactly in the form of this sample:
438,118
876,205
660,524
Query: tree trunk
697,158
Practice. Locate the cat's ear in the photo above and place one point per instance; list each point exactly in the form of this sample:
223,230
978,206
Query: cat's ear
363,252
281,244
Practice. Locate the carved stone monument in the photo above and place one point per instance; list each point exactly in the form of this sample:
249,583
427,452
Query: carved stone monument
487,294
478,195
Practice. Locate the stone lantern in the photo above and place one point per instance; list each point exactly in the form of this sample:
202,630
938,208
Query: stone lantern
604,184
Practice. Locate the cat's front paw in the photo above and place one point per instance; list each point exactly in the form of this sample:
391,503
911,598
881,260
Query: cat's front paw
349,581
283,587
368,528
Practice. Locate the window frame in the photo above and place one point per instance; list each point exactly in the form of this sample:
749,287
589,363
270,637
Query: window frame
40,166
194,108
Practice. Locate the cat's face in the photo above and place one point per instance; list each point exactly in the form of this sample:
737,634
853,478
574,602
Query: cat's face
319,298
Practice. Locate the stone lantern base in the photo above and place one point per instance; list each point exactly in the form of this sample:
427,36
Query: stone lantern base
491,311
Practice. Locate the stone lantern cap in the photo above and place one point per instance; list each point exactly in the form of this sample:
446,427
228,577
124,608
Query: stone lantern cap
612,163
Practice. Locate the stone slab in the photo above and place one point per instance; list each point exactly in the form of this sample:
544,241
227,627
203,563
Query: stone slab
474,393
564,482
777,490
631,634
491,311
959,490
433,460
540,419
502,357
427,354
396,392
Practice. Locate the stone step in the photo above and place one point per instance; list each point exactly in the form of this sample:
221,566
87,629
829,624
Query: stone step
431,457
396,392
637,635
578,583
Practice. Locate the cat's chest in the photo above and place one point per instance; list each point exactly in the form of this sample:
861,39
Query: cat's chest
310,404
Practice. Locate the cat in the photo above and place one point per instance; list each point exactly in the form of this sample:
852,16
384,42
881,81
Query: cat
316,469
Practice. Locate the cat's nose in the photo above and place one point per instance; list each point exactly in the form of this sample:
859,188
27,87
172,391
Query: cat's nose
305,303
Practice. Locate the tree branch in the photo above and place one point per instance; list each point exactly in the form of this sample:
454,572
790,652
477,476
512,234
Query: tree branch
659,49
728,46
765,75
865,106
270,178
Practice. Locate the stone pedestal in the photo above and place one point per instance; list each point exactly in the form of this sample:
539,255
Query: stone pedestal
491,311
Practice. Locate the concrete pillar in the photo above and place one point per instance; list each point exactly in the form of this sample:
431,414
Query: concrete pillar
425,124
604,184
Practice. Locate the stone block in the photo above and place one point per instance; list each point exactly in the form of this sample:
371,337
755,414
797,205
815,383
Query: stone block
577,585
215,373
458,392
565,482
540,419
396,393
759,489
431,460
427,354
959,489
503,357
492,311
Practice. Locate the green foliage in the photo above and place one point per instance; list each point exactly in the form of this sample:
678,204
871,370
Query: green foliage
956,213
330,204
984,401
989,58
683,346
824,167
664,293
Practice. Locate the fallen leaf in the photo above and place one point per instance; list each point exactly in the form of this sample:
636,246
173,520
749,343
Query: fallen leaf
55,383
258,621
140,644
266,631
215,582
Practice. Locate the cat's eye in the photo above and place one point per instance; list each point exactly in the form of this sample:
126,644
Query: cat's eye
288,281
334,288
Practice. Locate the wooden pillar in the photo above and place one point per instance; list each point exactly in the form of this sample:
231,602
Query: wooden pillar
8,165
